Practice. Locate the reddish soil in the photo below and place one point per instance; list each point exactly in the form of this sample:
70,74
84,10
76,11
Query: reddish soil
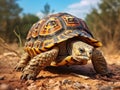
59,78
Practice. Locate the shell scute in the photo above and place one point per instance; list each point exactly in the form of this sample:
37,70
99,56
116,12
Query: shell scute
51,26
71,21
49,43
37,44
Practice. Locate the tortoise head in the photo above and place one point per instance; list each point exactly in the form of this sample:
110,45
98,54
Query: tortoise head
81,51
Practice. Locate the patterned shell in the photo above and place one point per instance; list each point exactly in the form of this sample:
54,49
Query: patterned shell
57,28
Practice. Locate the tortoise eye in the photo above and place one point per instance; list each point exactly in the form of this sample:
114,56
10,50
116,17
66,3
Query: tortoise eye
82,50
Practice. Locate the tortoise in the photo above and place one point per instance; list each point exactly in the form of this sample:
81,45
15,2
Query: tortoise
60,39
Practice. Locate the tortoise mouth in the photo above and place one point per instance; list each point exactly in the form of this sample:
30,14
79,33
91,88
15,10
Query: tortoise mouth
81,58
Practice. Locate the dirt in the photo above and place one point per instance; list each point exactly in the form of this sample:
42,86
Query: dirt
60,78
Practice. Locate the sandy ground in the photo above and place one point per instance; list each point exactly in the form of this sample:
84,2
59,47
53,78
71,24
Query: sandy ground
60,78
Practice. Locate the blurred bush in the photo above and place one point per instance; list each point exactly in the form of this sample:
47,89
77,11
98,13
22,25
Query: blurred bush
12,24
105,23
25,24
9,17
11,20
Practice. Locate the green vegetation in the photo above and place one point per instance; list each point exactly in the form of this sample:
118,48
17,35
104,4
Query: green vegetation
9,18
105,23
13,27
25,24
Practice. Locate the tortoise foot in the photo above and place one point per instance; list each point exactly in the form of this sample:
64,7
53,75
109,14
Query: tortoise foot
19,68
26,76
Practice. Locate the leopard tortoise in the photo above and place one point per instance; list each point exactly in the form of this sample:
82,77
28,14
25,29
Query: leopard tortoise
60,39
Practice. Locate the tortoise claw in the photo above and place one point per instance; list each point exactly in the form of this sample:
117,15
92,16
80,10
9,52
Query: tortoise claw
23,77
27,77
19,68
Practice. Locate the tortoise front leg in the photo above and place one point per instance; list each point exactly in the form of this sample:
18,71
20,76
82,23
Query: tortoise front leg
25,58
38,63
99,63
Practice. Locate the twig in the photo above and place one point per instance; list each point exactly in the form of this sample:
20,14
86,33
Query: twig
19,38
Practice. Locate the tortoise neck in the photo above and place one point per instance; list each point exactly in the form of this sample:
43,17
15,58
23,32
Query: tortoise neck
69,46
62,49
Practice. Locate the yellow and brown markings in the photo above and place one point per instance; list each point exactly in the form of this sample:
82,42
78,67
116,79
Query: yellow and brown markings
95,42
66,35
29,35
30,44
61,38
51,26
28,50
66,61
35,30
70,21
70,33
32,48
32,51
37,44
91,41
37,50
37,27
48,44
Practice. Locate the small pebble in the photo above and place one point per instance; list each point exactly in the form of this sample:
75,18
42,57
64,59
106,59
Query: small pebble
2,77
66,81
105,88
78,85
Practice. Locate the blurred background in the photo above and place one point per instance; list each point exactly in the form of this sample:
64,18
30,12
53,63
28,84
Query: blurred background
101,16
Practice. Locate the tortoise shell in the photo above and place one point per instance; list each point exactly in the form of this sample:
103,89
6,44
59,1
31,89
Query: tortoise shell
55,29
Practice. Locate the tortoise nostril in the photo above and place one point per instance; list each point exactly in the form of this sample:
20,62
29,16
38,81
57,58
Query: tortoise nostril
90,53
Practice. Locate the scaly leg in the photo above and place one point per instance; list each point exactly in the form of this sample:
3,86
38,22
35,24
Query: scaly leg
23,62
99,63
38,63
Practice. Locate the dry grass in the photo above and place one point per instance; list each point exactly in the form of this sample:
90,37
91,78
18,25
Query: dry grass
110,49
5,47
